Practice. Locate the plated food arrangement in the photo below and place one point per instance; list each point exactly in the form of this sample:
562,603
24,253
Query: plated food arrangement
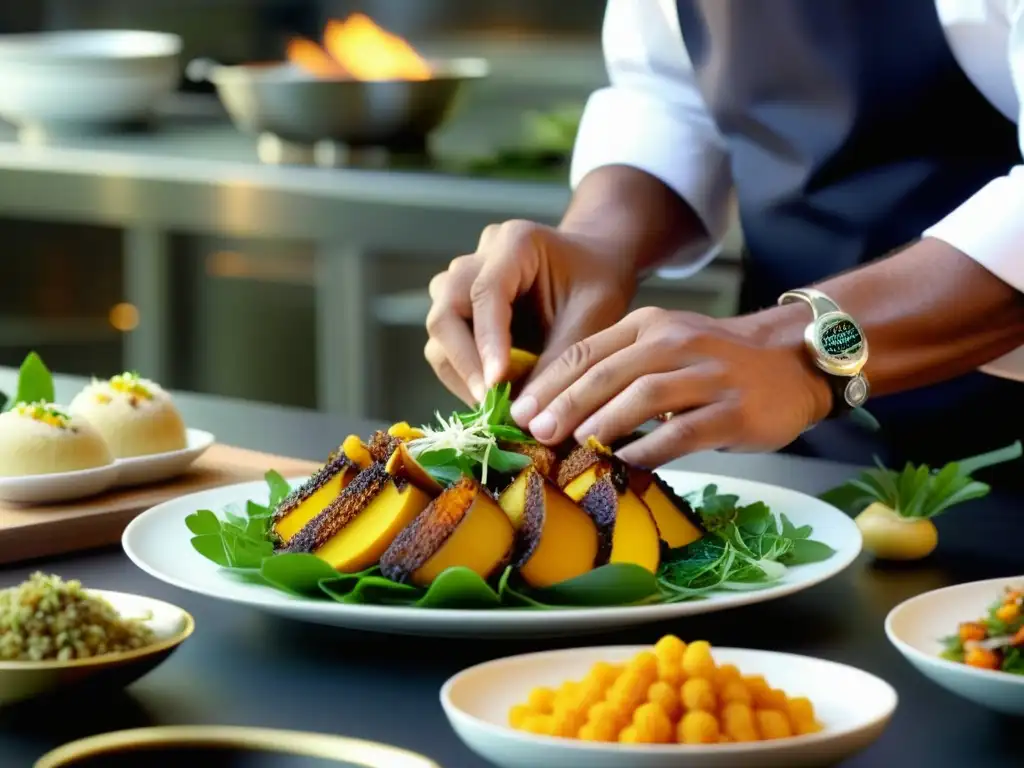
473,514
125,430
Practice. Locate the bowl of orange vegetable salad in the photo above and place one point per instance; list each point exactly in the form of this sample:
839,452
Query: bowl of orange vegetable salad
673,703
969,639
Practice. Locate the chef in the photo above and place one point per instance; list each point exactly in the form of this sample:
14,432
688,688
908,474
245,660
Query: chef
872,151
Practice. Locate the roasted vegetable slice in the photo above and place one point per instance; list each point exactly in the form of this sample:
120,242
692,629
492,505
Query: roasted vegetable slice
556,540
677,523
543,458
599,483
312,497
403,466
357,453
464,526
403,431
520,364
382,444
354,530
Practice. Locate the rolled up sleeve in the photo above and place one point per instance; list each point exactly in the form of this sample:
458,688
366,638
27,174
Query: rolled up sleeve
989,226
652,117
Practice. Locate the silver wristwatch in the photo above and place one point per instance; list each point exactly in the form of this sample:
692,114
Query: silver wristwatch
838,347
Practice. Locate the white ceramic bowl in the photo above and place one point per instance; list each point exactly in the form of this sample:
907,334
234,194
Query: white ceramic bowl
917,626
56,82
853,706
21,680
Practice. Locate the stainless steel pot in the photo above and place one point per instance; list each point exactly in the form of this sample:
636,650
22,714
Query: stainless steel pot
285,101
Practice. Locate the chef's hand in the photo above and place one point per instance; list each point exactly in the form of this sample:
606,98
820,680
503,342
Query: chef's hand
727,388
572,285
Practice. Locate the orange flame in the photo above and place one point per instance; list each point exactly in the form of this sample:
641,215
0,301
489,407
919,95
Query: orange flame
359,49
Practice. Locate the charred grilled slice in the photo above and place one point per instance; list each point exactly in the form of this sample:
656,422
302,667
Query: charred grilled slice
599,483
308,500
464,526
555,539
355,530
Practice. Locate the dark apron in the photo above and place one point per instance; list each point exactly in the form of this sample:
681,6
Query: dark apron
851,129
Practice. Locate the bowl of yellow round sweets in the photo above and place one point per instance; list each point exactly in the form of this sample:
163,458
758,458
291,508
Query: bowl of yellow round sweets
667,705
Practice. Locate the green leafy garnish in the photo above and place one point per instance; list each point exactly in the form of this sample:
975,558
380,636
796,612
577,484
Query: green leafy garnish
918,492
35,384
467,443
745,548
238,541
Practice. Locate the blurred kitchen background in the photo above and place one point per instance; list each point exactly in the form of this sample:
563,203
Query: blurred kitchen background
178,250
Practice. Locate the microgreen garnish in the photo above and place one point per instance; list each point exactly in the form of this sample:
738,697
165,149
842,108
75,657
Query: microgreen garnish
469,442
46,413
919,492
130,383
745,548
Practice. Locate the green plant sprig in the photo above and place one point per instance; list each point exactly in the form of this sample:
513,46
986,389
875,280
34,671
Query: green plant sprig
918,492
35,384
745,548
467,444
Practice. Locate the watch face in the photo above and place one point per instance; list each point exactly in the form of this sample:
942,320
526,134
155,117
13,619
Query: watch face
839,338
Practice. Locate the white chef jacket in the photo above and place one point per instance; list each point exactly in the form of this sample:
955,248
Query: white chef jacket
652,117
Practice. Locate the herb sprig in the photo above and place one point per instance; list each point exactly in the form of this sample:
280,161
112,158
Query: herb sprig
745,548
467,444
35,384
918,492
239,540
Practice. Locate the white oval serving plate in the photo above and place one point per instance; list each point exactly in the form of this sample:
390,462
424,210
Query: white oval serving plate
21,680
57,487
159,543
853,706
917,626
162,466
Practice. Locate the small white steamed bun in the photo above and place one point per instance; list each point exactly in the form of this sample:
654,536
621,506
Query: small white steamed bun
135,416
43,439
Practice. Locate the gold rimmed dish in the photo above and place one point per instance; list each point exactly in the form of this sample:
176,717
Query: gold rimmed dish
171,625
218,745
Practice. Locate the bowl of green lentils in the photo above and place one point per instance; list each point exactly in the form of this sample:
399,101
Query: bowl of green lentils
55,634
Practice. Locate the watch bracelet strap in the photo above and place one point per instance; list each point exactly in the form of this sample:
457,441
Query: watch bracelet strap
818,301
820,304
840,407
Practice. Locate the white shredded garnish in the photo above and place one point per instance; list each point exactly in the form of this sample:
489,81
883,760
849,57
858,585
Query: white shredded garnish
473,440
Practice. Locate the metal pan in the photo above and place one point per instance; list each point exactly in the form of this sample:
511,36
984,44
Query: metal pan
285,101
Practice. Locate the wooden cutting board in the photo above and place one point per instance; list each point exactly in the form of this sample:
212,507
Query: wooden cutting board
31,532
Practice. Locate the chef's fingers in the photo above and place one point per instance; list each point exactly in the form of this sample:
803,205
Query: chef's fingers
704,429
448,323
666,389
511,262
444,370
555,382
